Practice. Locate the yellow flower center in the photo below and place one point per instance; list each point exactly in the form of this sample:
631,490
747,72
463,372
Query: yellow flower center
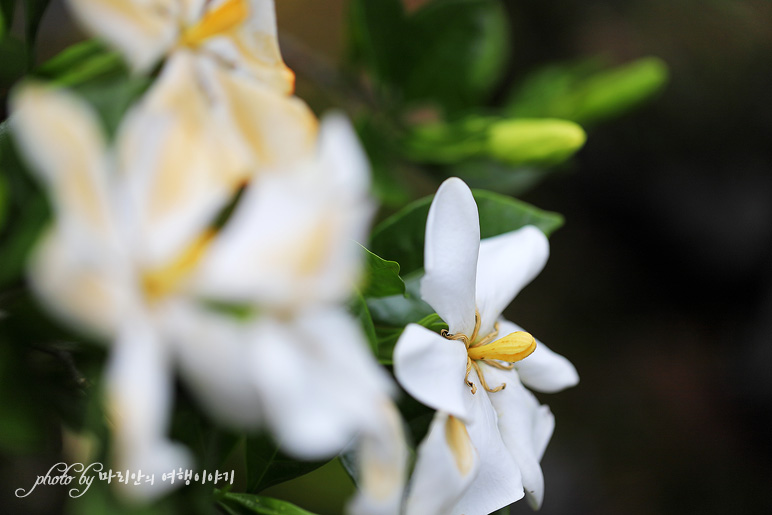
226,17
492,351
160,282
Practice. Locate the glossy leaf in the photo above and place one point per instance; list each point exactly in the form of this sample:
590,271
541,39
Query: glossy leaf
245,504
268,466
458,49
381,277
373,29
400,237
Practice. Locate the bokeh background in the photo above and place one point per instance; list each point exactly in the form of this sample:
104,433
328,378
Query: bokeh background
659,286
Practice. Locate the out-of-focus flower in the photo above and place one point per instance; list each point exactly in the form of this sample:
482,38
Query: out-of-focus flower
221,105
473,371
288,254
238,34
139,260
382,465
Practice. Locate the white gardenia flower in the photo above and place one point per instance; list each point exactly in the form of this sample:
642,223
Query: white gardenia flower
222,102
137,260
495,431
239,34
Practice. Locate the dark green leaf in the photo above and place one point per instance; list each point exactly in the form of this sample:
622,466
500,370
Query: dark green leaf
400,237
267,465
13,56
34,11
374,29
7,8
359,309
388,336
245,504
3,201
381,276
489,174
459,48
81,63
17,245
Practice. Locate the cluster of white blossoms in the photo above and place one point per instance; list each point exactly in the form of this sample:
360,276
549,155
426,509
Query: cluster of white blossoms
220,192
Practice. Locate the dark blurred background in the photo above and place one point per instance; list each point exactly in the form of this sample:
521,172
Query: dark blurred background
659,287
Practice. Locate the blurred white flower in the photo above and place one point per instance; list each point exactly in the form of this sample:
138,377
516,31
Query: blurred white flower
222,103
135,257
238,34
288,253
473,371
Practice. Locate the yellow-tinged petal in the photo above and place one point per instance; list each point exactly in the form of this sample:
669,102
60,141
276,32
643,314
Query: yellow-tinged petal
279,130
61,138
511,348
460,444
162,281
222,19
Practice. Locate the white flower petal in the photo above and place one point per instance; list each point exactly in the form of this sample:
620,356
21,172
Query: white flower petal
211,349
318,381
498,482
61,137
544,370
139,392
277,129
432,369
142,31
180,166
382,456
447,464
253,48
343,157
310,215
83,289
450,256
526,428
507,263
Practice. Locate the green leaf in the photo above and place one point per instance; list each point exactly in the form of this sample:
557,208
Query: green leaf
372,29
244,504
3,201
586,94
13,56
400,237
388,336
487,174
7,8
381,277
15,248
459,48
34,11
268,466
81,63
358,308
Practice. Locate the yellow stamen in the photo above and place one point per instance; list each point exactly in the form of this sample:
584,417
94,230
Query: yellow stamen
227,16
460,444
162,281
510,348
